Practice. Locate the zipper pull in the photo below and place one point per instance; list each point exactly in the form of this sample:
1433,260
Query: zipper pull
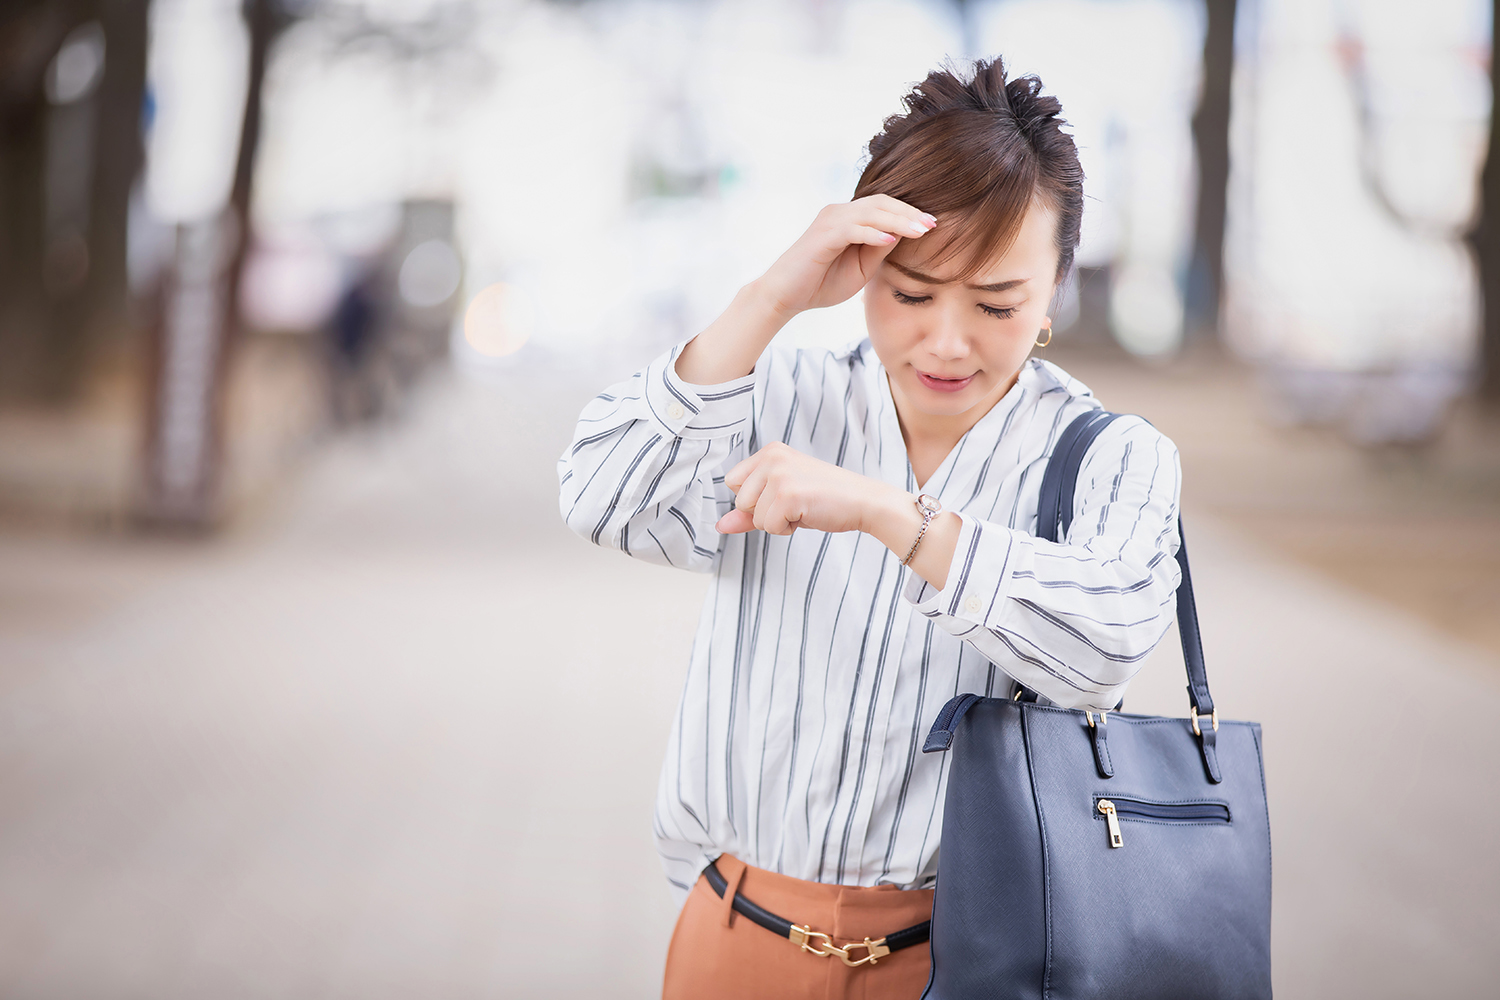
1113,821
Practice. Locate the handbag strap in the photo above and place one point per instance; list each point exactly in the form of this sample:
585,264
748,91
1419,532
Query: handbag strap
1054,518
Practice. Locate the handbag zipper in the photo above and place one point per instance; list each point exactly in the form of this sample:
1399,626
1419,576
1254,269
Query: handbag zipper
1165,812
1108,809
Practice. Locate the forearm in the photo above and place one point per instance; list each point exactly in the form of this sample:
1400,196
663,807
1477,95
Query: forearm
1072,622
640,474
649,498
730,346
895,521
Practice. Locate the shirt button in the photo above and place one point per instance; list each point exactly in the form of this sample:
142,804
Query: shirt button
676,412
973,605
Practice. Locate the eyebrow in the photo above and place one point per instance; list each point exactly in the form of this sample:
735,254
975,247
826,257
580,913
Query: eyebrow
927,279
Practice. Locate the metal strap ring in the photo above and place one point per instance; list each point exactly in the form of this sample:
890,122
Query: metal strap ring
1193,711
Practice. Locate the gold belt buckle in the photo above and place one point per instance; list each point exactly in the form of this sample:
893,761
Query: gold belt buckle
873,950
803,936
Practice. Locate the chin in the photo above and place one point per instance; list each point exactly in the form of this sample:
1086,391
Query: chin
942,404
950,408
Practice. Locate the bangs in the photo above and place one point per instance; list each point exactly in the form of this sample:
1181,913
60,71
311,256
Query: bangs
974,237
973,175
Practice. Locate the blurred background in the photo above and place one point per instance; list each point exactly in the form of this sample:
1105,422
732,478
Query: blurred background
306,691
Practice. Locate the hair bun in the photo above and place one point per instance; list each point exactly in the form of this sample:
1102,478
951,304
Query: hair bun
1033,109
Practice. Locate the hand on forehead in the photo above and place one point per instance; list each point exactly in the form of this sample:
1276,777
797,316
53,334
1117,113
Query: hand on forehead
958,252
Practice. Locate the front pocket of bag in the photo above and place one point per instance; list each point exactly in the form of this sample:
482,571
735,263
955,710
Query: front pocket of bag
1112,809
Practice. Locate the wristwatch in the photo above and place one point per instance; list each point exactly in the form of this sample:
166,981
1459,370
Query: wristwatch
929,508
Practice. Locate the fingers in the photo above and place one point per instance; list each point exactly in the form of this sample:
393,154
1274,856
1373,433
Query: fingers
748,495
768,516
868,235
757,500
902,225
735,477
776,513
884,203
884,229
764,500
736,522
877,221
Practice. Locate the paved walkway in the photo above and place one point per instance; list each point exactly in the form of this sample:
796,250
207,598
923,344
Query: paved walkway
400,739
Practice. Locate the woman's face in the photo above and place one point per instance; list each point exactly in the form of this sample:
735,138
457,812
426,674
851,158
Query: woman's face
953,346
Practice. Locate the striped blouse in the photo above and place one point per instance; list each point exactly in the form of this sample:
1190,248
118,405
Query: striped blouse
820,661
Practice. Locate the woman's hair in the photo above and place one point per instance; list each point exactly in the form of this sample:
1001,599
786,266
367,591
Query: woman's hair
976,153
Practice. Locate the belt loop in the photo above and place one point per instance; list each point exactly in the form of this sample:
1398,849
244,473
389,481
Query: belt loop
734,875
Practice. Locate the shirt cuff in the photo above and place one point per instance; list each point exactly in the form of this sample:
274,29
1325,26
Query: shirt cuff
978,579
696,411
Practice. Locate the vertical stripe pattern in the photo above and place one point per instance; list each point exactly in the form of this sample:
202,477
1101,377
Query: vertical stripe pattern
819,661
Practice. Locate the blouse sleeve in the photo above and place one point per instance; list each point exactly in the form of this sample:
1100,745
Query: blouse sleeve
644,472
1074,620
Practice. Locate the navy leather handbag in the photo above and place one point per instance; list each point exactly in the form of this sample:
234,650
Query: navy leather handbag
1093,854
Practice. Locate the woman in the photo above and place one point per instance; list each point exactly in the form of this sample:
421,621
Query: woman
912,462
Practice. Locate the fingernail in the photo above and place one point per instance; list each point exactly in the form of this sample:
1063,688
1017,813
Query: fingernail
931,220
888,237
918,229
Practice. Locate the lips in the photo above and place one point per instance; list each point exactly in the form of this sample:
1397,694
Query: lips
939,384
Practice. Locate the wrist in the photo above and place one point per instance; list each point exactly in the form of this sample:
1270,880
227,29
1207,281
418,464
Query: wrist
762,302
893,518
729,347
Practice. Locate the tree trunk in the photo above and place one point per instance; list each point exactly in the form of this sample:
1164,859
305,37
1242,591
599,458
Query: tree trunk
265,20
118,156
23,312
198,323
30,35
1486,237
1211,142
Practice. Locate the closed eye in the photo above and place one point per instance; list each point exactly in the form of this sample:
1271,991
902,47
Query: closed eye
997,312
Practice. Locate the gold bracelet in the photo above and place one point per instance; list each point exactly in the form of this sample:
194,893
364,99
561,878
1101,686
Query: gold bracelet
929,508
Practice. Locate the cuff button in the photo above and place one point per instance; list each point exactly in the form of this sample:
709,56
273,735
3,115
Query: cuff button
973,605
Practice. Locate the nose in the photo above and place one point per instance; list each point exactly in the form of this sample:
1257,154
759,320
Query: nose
946,340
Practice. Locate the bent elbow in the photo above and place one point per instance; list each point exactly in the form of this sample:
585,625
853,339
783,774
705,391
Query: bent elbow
585,521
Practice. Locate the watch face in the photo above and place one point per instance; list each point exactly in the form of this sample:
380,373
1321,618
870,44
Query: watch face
929,504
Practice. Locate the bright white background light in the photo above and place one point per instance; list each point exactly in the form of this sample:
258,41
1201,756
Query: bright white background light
198,60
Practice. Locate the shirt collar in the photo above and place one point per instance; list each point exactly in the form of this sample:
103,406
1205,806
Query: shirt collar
979,448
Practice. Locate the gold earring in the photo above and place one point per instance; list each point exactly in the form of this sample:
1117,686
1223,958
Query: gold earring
1048,331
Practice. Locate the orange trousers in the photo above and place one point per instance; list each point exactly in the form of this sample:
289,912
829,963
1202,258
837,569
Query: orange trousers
717,954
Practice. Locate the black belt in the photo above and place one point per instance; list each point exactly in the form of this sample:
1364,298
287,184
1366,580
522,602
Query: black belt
801,934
